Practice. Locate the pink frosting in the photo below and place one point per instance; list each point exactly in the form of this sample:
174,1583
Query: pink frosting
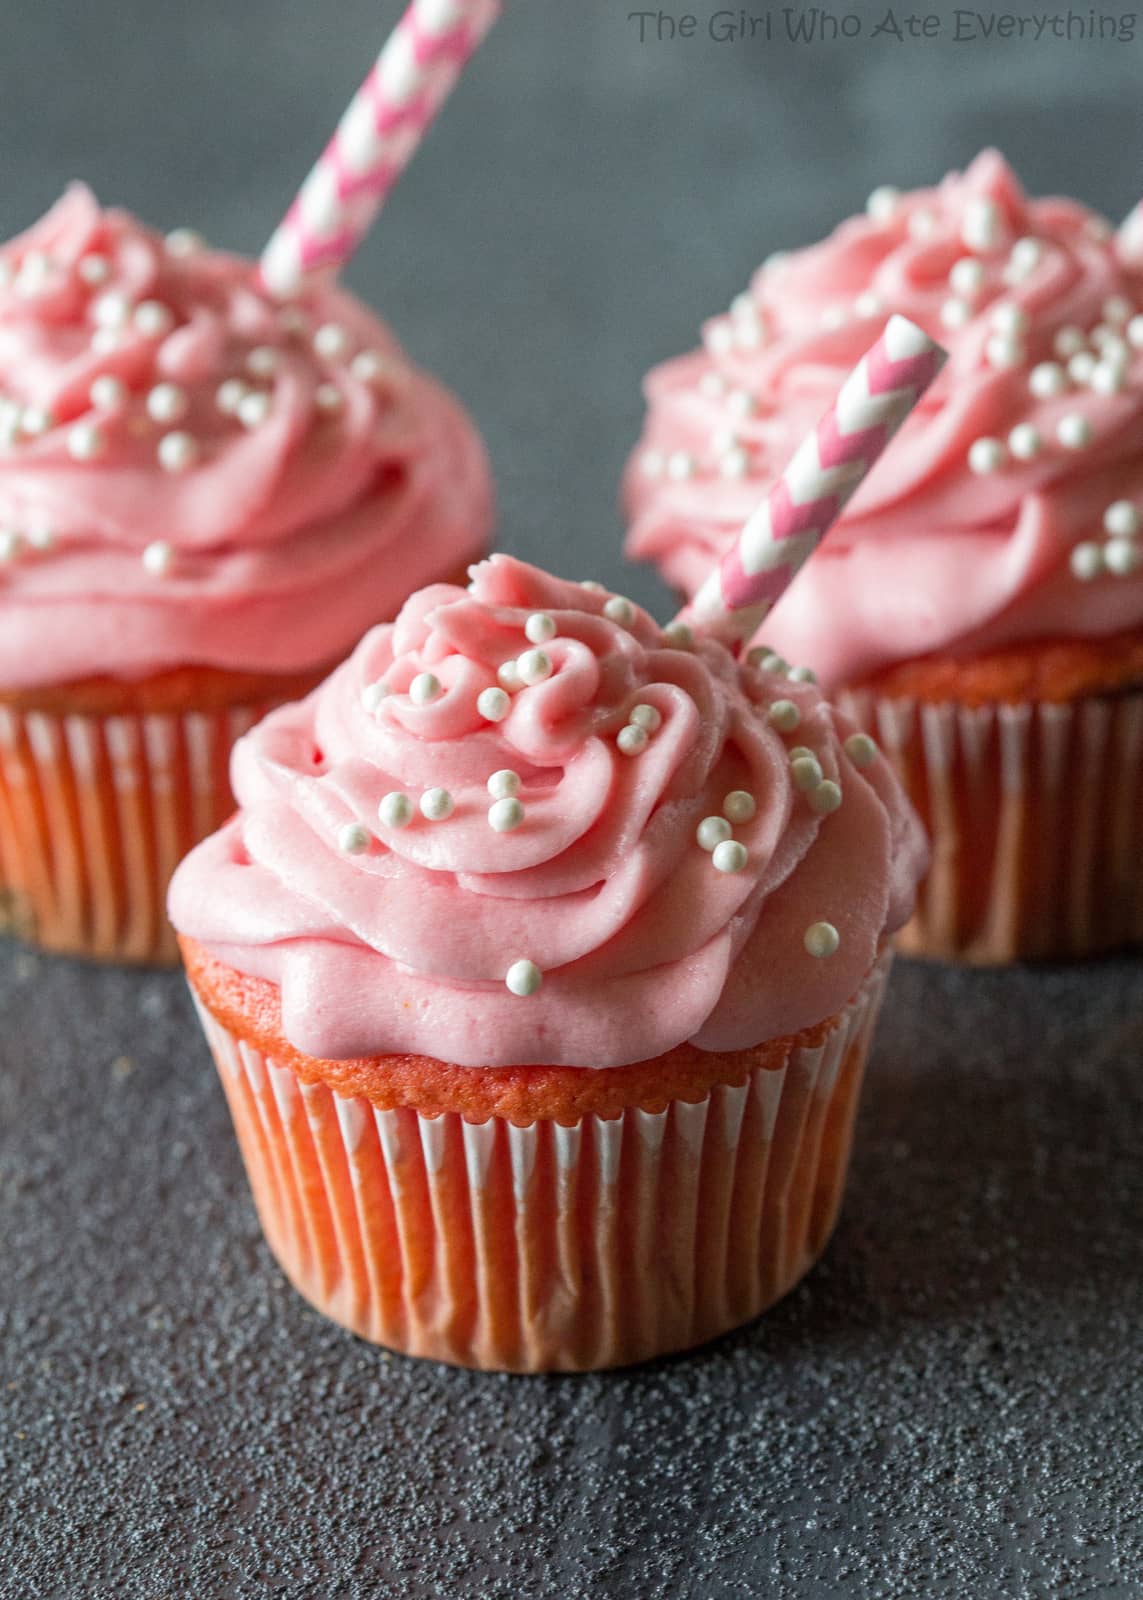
283,531
930,555
403,944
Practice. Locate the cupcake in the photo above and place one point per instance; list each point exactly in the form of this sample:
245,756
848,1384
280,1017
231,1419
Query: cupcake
540,964
979,607
204,500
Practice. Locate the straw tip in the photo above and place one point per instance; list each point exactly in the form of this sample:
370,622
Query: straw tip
904,340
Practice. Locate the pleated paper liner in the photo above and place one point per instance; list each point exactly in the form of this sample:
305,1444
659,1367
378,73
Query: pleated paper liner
551,1247
1036,817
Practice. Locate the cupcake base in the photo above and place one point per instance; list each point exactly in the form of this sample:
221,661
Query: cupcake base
554,1244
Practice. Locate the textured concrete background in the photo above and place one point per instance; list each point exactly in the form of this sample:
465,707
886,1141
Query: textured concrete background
952,1405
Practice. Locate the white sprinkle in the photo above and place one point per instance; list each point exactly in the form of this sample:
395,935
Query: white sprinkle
739,805
369,367
1024,258
711,832
253,408
40,533
352,839
861,750
1025,442
1135,332
85,441
1086,561
437,805
177,451
802,675
108,393
331,341
167,403
1008,318
523,978
719,336
955,313
922,224
1108,378
1122,557
966,276
834,317
869,304
680,465
619,610
713,385
649,718
230,395
35,270
503,785
821,939
184,242
153,319
534,666
262,361
425,688
767,660
1003,351
806,772
540,628
980,226
784,715
1048,380
1121,519
593,586
825,797
1117,309
11,545
986,455
111,310
158,558
493,704
679,636
94,269
632,739
1081,366
395,810
883,202
743,306
373,694
508,674
734,463
104,340
328,398
34,421
729,856
1068,342
651,463
724,439
506,815
1074,431
742,404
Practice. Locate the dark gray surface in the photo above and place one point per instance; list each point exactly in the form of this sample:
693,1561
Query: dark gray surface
952,1404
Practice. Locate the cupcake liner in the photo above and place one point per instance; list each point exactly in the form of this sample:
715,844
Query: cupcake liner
1034,812
551,1247
95,814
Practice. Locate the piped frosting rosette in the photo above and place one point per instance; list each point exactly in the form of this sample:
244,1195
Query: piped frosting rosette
1011,505
526,825
190,473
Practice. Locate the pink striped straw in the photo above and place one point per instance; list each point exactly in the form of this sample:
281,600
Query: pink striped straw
375,140
811,493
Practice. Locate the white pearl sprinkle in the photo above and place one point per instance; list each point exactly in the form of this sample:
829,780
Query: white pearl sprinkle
966,276
352,839
1048,380
1135,332
153,319
1121,519
373,694
108,393
167,403
679,636
743,306
1008,318
1108,378
825,797
1086,561
1117,309
1068,342
883,202
922,224
369,367
724,439
821,939
328,398
158,558
711,832
869,304
651,463
1122,557
681,465
177,452
802,675
253,408
729,856
986,455
262,361
742,404
34,421
85,441
1074,431
649,718
540,628
784,715
493,704
505,784
11,545
94,269
806,772
230,395
331,341
980,226
1024,257
718,337
713,385
111,310
523,978
1025,442
184,242
632,739
437,805
1081,366
739,805
395,810
955,313
425,688
734,463
534,666
104,340
834,317
861,750
1003,351
593,586
619,610
40,534
506,815
767,660
509,677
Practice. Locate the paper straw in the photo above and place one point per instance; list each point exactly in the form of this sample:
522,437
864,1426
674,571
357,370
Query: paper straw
375,140
809,496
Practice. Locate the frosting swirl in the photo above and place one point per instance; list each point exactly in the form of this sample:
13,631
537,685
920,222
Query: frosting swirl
190,474
1006,509
567,912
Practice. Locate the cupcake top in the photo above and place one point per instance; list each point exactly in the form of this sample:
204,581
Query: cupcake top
193,474
1009,505
525,825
